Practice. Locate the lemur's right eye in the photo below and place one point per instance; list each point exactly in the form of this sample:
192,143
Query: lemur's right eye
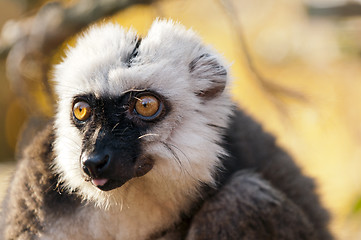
147,107
81,110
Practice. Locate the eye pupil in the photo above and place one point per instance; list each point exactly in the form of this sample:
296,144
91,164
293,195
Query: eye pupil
147,107
81,110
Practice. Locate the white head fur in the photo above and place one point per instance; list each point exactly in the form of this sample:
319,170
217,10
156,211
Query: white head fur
96,65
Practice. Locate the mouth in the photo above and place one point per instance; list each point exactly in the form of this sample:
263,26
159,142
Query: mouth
99,182
106,184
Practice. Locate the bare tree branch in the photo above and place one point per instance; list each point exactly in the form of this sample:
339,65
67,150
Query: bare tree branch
272,89
29,43
351,9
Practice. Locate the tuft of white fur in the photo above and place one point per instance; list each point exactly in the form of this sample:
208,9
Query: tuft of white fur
184,146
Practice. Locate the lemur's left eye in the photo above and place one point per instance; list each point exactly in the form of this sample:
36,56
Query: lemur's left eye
147,107
81,110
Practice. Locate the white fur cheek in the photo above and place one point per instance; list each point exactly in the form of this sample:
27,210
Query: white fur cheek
68,147
68,150
200,152
188,156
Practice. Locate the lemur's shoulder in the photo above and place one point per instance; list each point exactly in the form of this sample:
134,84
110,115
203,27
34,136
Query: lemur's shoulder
34,194
251,148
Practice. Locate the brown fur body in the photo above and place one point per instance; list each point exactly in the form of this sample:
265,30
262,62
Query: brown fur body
261,194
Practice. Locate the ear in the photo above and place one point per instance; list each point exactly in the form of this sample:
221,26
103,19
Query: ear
210,77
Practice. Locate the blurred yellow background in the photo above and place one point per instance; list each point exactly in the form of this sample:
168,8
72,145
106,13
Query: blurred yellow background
317,56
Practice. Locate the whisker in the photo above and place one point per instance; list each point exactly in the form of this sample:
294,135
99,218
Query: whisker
180,151
148,134
70,141
114,127
133,90
216,126
174,154
71,87
176,157
125,129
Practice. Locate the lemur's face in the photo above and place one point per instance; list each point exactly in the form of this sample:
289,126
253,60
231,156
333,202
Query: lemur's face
111,129
139,112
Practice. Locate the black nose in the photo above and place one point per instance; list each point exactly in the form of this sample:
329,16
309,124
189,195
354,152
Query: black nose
94,166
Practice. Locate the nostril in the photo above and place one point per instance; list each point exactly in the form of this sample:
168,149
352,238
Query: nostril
95,165
103,162
86,170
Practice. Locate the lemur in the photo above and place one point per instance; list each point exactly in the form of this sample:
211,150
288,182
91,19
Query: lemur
146,143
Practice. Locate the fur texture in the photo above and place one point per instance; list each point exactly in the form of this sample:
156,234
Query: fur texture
216,174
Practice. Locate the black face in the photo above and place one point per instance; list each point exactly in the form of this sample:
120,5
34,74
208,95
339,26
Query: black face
112,127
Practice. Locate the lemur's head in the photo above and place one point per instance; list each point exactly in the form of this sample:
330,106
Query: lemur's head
139,113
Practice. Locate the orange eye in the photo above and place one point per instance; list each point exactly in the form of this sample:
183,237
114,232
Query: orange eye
148,107
81,110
